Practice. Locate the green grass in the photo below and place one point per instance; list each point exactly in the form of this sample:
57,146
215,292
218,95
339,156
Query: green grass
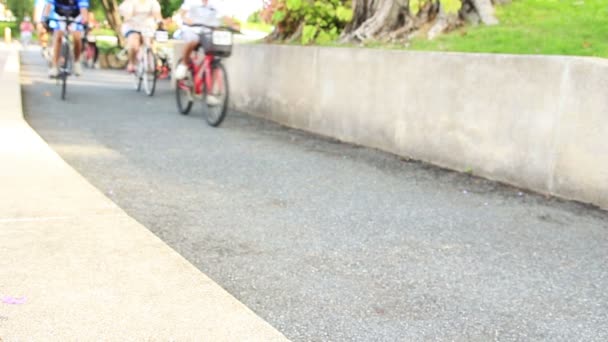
554,27
103,32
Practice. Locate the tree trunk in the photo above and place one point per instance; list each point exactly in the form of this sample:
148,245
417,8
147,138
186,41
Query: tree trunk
483,9
445,22
392,20
110,8
376,19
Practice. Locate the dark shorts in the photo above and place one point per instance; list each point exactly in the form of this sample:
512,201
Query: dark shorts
130,32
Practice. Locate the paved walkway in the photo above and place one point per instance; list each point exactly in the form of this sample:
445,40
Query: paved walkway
76,267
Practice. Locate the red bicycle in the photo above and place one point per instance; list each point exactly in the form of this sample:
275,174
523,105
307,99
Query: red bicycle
207,79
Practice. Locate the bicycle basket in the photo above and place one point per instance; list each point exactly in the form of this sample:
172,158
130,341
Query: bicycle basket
218,43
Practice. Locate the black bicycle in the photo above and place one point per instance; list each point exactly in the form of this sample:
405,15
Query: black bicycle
66,57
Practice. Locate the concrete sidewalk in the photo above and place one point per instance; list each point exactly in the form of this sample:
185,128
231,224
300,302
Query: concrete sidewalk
82,269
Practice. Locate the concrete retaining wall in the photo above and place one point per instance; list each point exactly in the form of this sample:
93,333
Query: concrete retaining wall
536,122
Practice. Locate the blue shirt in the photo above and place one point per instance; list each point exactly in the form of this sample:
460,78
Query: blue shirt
68,6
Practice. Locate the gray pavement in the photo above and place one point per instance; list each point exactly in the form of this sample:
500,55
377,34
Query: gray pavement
75,267
328,241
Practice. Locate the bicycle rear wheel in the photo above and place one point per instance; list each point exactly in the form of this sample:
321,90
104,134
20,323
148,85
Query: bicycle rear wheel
184,90
150,74
216,98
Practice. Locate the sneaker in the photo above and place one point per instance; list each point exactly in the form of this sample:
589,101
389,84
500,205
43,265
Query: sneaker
181,72
213,100
53,72
77,69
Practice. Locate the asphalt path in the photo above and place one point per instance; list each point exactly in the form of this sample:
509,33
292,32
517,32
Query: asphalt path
329,241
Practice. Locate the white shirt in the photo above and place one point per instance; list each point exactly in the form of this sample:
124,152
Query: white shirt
139,15
200,14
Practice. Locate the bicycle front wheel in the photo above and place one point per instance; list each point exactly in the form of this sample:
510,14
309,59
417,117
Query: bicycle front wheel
216,98
65,68
138,76
184,90
149,72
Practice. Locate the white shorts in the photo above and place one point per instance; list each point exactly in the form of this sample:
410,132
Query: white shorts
191,34
61,25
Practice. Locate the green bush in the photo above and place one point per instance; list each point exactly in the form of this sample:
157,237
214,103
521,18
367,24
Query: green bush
323,20
12,25
255,17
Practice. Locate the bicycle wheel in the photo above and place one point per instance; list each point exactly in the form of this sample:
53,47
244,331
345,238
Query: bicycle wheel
65,67
183,93
138,75
216,98
149,72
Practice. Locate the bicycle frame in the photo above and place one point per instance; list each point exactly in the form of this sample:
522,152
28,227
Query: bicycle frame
202,74
147,68
66,41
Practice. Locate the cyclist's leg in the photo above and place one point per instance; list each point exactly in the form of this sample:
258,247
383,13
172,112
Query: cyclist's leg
192,40
77,38
182,69
58,29
42,35
133,43
57,39
77,44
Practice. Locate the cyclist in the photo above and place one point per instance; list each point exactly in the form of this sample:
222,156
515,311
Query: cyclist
139,16
197,12
60,9
43,36
91,42
26,28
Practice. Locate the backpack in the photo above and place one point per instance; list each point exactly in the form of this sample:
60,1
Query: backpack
67,8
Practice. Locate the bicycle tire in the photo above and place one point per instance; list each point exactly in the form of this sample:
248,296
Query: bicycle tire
137,74
184,105
150,74
65,54
214,115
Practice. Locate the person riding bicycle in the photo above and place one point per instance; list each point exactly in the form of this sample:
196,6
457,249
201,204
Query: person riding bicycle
197,12
57,11
26,28
139,16
91,50
42,31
